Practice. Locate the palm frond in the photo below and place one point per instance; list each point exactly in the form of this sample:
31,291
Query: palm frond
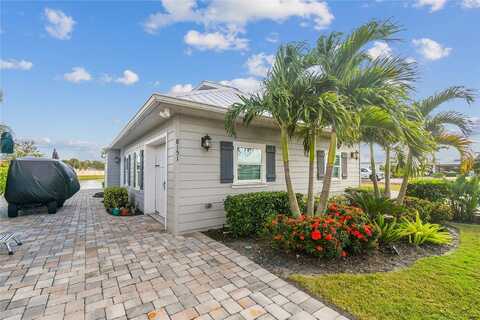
463,146
436,123
457,92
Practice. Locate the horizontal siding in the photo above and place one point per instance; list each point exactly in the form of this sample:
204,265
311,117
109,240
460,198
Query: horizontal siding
112,170
198,174
170,127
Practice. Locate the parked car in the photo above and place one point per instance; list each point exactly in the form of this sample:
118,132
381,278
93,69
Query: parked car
366,173
39,181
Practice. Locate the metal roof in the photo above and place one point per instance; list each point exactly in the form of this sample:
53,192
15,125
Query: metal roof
213,94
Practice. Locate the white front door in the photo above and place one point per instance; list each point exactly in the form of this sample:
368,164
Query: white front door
160,180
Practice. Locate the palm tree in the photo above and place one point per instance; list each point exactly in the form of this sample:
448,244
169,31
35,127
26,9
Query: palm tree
363,81
436,124
285,94
327,108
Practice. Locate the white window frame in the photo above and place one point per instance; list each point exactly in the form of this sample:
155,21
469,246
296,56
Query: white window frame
339,155
262,148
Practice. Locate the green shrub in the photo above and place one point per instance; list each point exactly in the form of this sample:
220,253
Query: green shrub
414,205
247,213
429,189
451,174
3,178
438,175
374,206
417,232
115,197
465,197
441,212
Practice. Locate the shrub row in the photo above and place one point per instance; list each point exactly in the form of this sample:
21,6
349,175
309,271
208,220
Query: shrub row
247,213
429,189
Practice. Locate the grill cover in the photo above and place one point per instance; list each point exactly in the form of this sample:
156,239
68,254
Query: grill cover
40,180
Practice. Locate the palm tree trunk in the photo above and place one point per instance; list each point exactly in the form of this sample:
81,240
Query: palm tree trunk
327,180
311,166
387,193
288,180
376,191
406,174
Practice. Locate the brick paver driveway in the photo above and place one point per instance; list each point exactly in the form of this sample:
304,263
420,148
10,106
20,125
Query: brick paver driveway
85,264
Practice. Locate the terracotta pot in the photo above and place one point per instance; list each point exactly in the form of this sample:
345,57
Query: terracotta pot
124,212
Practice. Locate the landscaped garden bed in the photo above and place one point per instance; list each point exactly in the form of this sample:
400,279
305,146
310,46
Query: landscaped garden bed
442,287
285,264
369,255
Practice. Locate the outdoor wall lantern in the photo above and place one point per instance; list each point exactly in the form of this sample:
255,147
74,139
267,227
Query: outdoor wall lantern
206,142
354,155
117,159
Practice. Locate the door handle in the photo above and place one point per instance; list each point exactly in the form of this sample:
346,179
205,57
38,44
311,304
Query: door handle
164,185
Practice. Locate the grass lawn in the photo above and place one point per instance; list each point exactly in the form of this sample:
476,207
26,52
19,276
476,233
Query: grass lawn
444,287
91,177
393,187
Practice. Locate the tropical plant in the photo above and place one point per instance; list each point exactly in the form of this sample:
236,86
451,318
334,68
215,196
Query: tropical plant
419,233
465,197
285,93
388,229
374,206
435,125
359,81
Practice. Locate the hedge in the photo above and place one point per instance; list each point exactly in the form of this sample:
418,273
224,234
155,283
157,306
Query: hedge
247,213
3,178
115,197
432,189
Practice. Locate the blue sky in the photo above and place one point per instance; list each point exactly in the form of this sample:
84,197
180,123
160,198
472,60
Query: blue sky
73,73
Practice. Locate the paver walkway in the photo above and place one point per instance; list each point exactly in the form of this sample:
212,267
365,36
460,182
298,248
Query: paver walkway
85,264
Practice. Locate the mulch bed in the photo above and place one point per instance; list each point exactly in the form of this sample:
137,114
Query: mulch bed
284,264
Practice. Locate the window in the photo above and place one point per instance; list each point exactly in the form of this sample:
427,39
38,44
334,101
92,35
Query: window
135,163
129,162
250,162
337,167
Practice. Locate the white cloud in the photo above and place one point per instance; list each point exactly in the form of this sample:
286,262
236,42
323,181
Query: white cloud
15,64
471,4
77,75
180,88
410,60
129,77
259,64
273,37
239,12
59,25
434,5
217,41
430,49
380,49
248,85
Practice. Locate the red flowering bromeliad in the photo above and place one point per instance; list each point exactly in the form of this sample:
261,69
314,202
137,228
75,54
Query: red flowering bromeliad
342,230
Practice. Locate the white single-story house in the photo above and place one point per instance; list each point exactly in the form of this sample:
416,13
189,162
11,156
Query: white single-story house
179,164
